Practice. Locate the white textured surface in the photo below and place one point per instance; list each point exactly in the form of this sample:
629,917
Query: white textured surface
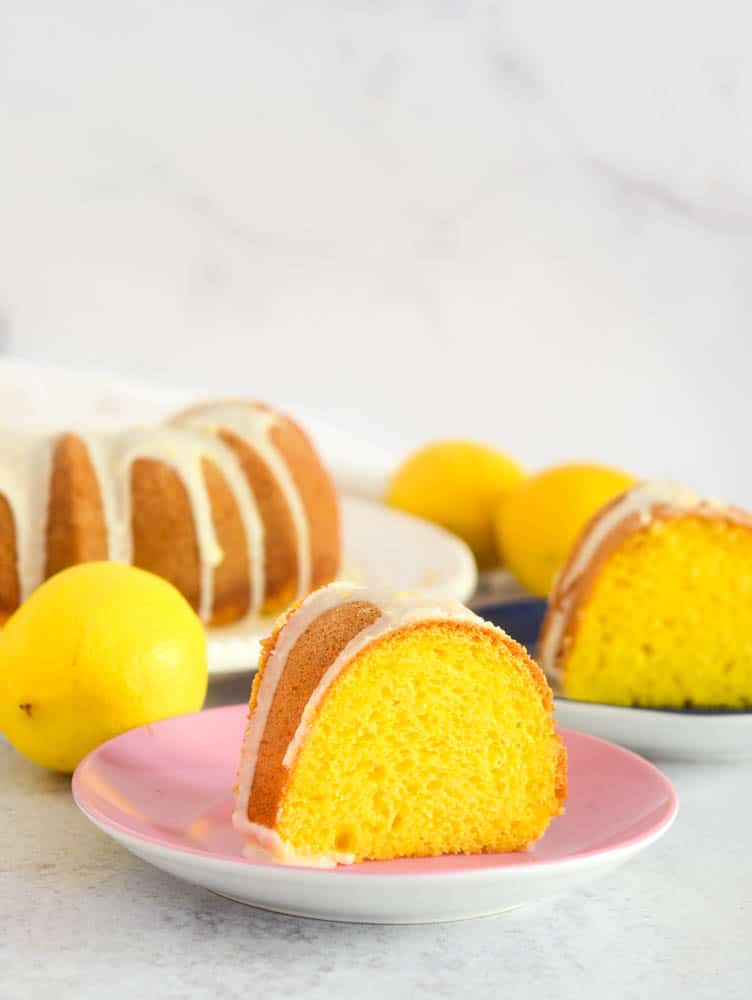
82,919
409,217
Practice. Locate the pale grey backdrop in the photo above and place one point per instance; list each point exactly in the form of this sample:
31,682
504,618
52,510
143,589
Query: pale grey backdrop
522,221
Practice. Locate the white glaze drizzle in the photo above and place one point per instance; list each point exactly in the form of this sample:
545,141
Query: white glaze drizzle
25,468
395,612
183,452
642,500
253,426
204,423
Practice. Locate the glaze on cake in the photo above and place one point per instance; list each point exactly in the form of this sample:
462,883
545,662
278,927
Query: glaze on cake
229,501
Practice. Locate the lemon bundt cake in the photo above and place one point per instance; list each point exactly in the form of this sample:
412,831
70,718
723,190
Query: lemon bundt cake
228,501
654,606
388,728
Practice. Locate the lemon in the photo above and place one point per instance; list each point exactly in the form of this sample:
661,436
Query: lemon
457,484
539,521
97,649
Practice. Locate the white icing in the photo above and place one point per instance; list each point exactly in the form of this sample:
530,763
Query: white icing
204,423
253,426
641,500
183,451
25,467
395,612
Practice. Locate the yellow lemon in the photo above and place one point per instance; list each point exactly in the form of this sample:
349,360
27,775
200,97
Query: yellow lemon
97,649
539,521
458,485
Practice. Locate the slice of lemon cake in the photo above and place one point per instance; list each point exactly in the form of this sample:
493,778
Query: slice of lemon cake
654,606
384,728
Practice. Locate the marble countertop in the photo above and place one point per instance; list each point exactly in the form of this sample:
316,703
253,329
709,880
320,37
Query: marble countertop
81,918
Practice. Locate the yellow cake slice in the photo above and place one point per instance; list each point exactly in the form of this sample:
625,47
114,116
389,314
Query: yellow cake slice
654,606
389,727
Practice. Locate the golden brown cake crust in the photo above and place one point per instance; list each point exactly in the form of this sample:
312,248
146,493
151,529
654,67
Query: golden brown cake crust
76,529
281,562
307,662
570,596
318,495
232,584
314,652
164,539
9,588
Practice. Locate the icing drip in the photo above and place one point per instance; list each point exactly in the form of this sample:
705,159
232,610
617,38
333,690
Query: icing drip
641,500
182,451
396,613
25,472
253,426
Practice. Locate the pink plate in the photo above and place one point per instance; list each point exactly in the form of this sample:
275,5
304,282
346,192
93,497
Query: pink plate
164,791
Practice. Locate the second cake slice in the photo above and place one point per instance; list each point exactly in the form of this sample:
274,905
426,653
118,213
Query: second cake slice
383,728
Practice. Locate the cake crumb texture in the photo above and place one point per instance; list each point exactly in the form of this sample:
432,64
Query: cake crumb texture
667,621
438,738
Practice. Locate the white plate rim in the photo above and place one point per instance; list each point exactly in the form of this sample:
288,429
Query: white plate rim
393,896
595,857
663,734
113,828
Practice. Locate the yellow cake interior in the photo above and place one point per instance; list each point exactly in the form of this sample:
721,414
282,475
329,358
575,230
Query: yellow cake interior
668,621
435,739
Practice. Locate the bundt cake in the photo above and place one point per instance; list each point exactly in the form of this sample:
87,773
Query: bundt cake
384,728
654,606
228,501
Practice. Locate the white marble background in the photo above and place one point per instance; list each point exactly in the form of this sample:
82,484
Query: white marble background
529,222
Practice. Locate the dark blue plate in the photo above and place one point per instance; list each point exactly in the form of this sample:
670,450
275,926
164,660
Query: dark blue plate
520,619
